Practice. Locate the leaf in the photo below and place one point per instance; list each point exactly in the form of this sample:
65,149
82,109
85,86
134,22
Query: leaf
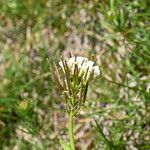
65,145
110,145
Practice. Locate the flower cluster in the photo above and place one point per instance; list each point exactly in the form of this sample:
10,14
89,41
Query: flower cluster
85,67
73,76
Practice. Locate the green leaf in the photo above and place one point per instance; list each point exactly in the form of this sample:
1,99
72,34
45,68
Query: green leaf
109,144
65,145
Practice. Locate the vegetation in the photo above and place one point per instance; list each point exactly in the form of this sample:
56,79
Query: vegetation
116,113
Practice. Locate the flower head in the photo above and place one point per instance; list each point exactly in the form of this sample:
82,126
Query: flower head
73,77
86,68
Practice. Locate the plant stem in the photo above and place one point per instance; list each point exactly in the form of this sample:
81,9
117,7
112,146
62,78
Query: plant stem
71,136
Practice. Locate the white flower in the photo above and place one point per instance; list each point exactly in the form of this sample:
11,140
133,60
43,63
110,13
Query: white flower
86,67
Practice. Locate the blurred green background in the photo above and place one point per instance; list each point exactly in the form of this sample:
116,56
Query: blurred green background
117,32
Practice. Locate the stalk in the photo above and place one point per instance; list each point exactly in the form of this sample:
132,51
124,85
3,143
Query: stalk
71,136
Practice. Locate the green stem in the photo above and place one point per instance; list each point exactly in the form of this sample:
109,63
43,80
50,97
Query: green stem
71,136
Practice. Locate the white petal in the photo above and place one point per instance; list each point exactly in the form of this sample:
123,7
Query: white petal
96,71
61,64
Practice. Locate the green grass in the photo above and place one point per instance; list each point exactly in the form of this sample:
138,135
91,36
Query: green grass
32,114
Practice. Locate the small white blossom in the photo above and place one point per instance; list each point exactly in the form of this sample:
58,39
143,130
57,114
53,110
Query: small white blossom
86,67
73,76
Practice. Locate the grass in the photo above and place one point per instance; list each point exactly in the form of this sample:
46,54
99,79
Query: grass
32,114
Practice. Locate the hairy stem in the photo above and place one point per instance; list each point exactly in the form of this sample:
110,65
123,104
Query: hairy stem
71,136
